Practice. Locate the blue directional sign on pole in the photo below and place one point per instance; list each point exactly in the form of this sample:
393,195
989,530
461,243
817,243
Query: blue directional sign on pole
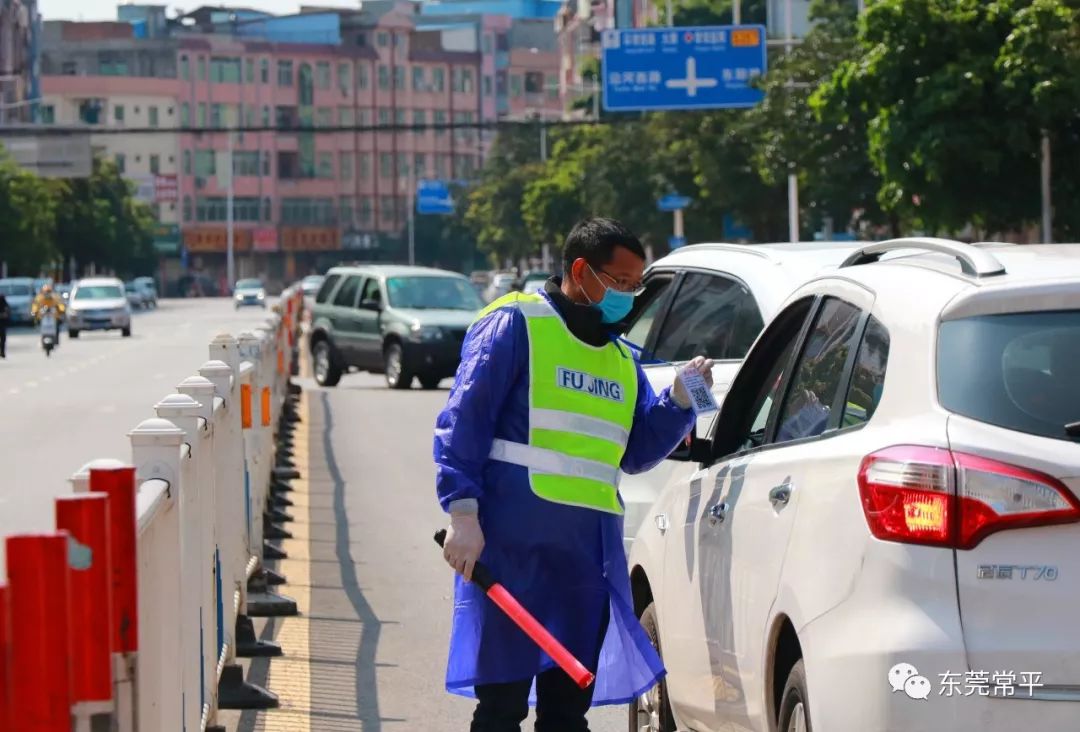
433,197
646,69
673,202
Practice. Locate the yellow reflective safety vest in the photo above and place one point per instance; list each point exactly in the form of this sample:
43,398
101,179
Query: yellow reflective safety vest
581,408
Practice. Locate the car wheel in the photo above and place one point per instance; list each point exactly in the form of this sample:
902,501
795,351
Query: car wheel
327,369
430,382
398,375
795,704
651,712
73,333
126,332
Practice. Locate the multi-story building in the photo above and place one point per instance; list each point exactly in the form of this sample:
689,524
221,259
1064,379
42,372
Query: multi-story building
335,116
20,26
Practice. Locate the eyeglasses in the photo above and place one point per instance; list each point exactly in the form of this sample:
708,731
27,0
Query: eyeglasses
622,285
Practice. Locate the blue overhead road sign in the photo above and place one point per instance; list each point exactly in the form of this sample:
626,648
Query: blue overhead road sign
648,69
433,197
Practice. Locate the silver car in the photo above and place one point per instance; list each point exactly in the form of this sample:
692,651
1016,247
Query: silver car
19,293
99,304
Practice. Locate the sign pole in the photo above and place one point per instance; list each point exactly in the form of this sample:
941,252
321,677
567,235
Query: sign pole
679,224
736,12
230,263
412,218
793,180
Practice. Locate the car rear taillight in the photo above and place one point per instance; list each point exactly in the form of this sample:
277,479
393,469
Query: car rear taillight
929,495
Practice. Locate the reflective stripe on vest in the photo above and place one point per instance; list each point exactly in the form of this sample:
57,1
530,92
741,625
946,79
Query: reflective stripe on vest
581,409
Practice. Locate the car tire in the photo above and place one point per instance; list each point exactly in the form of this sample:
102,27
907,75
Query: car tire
73,333
398,375
325,364
795,702
430,382
652,711
126,332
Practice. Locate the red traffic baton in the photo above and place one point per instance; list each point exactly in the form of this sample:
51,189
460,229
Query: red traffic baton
481,577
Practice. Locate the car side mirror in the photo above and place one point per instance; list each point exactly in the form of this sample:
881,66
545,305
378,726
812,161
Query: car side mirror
373,305
692,450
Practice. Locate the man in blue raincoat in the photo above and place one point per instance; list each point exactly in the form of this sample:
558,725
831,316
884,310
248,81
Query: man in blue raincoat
547,407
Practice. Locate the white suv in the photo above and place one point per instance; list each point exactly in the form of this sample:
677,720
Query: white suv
711,300
881,531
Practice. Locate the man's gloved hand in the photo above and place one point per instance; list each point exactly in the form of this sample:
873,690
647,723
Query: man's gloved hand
701,365
463,544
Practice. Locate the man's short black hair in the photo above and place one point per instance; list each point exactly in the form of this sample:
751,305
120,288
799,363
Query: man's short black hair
595,239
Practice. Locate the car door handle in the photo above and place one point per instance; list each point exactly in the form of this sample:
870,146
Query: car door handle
662,522
780,495
717,513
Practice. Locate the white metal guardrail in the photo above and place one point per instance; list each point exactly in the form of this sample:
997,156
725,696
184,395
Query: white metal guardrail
132,614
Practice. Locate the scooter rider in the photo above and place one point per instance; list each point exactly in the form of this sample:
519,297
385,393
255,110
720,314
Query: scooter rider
45,299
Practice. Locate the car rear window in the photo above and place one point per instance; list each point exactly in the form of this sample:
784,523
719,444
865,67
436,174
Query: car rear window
1016,371
327,287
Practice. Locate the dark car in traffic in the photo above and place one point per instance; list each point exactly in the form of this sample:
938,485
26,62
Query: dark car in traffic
405,322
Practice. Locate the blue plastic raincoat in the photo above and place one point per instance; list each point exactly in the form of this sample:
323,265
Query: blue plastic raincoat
565,564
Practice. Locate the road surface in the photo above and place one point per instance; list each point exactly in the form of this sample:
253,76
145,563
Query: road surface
58,413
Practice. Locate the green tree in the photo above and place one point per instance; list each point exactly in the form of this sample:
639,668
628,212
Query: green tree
27,220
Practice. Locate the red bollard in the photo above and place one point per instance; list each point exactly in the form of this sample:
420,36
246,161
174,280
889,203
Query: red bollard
119,485
245,406
86,518
265,406
5,660
37,568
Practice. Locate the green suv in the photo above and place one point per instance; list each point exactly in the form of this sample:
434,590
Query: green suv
404,322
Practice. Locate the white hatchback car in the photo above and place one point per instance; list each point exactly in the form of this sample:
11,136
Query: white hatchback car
881,531
711,300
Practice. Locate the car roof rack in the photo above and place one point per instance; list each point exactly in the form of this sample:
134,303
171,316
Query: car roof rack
973,260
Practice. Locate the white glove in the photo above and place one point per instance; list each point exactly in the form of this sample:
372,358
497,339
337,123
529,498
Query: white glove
463,544
701,365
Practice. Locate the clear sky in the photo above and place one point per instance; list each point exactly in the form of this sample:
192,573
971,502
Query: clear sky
106,9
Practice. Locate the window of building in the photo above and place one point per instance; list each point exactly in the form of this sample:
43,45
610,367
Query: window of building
224,70
249,115
440,165
344,77
399,77
345,166
121,163
489,43
187,208
217,115
247,163
553,86
386,163
326,165
324,117
266,163
382,39
205,163
346,118
264,71
285,118
384,77
384,117
155,164
364,216
365,166
419,118
187,162
322,74
266,116
516,87
346,205
118,113
152,116
306,82
418,78
467,81
215,208
319,211
362,79
69,68
112,66
440,123
386,208
402,164
185,68
202,68
249,70
202,114
400,117
268,211
48,114
420,165
534,82
285,73
364,118
489,86
438,79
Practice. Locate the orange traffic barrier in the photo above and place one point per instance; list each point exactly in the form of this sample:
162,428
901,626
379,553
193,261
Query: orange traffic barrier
37,568
119,485
86,519
265,406
245,406
5,660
